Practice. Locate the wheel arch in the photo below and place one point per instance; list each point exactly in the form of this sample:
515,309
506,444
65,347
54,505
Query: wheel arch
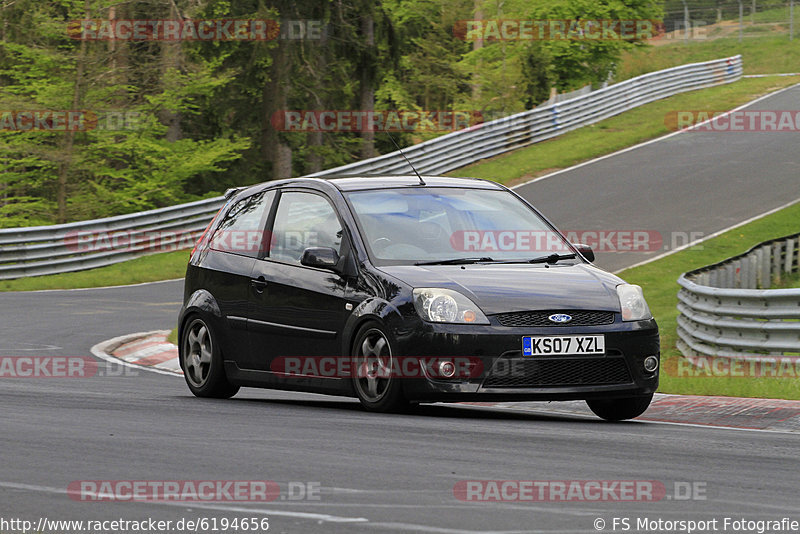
201,303
372,309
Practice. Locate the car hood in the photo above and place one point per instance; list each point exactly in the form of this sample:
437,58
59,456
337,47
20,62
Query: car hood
498,288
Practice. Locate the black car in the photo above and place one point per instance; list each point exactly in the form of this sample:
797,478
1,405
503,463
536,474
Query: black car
402,290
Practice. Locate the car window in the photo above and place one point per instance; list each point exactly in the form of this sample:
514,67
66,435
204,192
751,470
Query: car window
242,230
432,224
303,220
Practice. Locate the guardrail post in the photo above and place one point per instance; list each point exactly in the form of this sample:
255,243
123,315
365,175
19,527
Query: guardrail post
764,267
777,256
744,273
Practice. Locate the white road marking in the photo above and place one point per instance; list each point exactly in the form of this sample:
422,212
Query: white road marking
710,236
656,140
34,347
204,506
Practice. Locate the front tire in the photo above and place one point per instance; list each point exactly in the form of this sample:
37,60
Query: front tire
201,362
374,380
620,409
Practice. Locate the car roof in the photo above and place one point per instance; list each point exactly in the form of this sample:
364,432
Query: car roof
350,182
353,183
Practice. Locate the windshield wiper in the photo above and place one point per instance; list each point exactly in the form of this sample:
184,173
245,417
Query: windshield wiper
552,258
455,261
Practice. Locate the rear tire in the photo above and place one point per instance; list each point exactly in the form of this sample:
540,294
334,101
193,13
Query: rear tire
201,362
620,409
374,380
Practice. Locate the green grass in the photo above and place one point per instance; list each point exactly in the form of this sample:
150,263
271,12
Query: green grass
173,336
634,126
776,14
659,282
162,266
789,282
769,54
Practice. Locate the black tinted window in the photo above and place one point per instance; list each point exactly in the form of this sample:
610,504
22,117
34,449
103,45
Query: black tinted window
242,231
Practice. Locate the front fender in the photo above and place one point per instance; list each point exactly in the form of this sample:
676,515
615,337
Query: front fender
373,308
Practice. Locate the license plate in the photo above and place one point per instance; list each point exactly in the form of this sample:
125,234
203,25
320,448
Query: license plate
563,345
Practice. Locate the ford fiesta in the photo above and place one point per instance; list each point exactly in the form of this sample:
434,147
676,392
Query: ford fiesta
400,290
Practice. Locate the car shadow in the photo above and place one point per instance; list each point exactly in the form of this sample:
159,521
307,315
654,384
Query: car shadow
439,411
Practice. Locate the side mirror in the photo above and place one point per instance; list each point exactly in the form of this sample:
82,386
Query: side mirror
322,257
585,250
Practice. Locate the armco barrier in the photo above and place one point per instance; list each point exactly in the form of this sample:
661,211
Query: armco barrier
726,310
43,250
40,250
455,150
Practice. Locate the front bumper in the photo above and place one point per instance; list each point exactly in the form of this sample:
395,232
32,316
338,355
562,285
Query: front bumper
505,375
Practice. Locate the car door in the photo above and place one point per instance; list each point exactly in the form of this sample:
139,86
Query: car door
233,249
297,311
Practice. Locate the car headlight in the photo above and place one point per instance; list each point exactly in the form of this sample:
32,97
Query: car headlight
446,306
632,303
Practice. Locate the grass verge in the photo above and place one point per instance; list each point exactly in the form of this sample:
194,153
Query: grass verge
162,266
173,336
624,130
659,282
769,54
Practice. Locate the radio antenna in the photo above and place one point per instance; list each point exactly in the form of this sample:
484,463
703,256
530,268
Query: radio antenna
421,181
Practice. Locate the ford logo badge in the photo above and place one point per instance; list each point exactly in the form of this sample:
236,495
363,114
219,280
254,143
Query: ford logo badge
560,318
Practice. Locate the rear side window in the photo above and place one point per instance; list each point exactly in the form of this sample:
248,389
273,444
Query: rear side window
242,231
304,220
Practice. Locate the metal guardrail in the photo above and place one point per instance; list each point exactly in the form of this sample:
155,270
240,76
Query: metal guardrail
727,311
41,250
457,149
62,248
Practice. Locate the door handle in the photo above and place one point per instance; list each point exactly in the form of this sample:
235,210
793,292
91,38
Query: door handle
259,284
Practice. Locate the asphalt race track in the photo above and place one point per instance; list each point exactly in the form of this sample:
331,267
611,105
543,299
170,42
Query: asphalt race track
691,184
397,472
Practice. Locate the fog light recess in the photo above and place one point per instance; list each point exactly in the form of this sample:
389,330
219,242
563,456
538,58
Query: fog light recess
650,364
447,369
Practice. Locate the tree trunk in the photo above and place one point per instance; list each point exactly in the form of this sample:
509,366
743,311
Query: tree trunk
477,44
315,140
367,89
118,50
171,59
69,135
273,148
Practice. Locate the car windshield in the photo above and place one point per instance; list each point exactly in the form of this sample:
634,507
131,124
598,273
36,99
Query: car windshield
449,225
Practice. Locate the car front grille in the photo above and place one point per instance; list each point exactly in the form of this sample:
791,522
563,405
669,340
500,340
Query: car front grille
540,318
558,372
